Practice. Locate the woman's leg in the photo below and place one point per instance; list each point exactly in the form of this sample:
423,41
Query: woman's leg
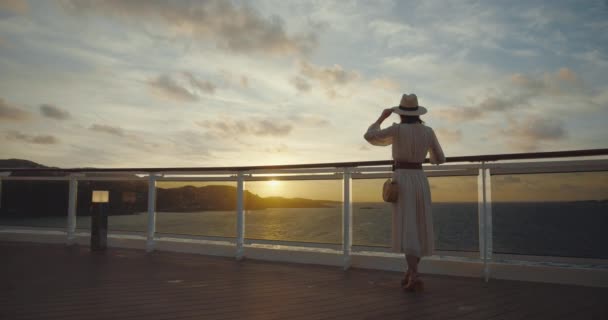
412,268
413,282
412,263
408,271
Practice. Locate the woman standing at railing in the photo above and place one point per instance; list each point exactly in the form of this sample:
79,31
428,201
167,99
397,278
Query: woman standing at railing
412,218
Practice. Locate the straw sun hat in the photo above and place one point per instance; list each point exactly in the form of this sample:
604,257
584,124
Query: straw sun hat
409,106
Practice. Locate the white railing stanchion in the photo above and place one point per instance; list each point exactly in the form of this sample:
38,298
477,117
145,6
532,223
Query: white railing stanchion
488,223
151,212
72,201
482,218
347,217
240,216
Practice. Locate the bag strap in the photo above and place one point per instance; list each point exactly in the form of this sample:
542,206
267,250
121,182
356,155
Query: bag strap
396,144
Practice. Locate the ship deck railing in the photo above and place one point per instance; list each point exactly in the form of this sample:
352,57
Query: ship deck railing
483,263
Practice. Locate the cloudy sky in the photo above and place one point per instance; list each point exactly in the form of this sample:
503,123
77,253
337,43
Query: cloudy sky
207,83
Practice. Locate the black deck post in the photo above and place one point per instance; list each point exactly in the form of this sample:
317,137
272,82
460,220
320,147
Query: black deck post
99,220
99,227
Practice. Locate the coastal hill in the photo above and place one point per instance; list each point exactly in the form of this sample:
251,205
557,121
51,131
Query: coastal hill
19,163
35,198
218,197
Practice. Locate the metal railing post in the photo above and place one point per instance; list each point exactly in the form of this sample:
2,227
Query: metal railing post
151,212
72,201
488,222
240,216
347,217
485,218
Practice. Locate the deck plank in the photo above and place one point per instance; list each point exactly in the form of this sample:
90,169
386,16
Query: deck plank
49,281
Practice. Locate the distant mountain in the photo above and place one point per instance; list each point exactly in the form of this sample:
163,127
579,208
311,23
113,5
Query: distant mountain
42,198
223,198
19,163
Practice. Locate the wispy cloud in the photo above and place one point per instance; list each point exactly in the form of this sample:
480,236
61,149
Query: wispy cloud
393,33
562,82
310,120
166,87
113,130
521,90
53,112
489,72
8,7
277,149
237,28
35,139
328,78
12,113
241,128
202,85
185,88
385,83
301,84
594,57
532,133
448,135
235,79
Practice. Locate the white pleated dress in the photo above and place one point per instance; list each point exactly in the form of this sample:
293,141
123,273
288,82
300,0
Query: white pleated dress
412,216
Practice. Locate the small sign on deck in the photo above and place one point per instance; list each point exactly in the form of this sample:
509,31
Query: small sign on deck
101,196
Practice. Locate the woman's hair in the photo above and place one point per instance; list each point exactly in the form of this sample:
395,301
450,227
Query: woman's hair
411,119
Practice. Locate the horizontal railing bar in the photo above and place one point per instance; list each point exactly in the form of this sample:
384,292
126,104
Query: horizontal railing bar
109,174
257,171
294,171
67,178
36,178
195,172
363,174
538,170
257,178
451,173
335,176
192,179
549,167
426,168
112,179
544,164
296,177
478,158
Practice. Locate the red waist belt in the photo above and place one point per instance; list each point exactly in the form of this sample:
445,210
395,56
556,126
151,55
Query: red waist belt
407,165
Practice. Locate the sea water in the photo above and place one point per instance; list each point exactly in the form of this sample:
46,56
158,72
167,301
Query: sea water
571,229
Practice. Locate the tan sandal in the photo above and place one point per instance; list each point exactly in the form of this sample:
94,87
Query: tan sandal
415,284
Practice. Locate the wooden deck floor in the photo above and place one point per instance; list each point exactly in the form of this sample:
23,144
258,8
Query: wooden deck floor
45,281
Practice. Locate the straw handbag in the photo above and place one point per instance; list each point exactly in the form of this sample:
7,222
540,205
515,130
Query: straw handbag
390,191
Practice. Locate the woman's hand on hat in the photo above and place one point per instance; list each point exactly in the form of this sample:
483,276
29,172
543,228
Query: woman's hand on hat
385,114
